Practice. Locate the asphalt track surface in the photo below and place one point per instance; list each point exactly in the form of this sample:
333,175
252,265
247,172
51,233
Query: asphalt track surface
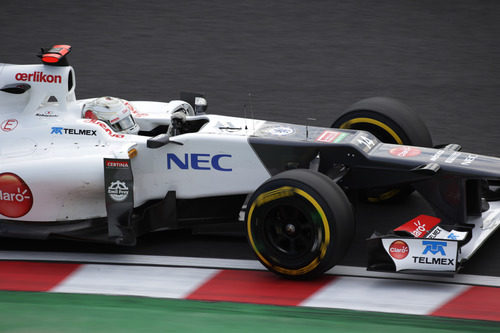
284,61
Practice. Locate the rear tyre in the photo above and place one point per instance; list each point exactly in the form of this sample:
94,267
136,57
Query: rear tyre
299,224
391,122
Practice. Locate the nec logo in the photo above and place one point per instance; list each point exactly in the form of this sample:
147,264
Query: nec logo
434,247
199,161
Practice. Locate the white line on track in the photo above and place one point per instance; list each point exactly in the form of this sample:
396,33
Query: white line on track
215,263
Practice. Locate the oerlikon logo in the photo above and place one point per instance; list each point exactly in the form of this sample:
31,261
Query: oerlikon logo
39,77
16,198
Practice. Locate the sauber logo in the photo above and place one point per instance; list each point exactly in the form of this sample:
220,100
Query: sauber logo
399,250
39,77
16,198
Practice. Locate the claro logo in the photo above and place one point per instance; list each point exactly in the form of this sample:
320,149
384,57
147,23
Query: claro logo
16,198
39,77
199,161
399,249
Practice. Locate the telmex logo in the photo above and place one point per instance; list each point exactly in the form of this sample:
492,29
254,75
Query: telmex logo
198,161
73,131
39,77
434,247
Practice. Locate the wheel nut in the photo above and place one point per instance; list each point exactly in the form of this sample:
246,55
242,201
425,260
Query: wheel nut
290,229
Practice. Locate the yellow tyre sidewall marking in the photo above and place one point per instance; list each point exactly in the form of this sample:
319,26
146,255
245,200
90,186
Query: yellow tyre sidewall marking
282,192
348,124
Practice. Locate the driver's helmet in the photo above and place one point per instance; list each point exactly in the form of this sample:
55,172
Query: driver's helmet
113,111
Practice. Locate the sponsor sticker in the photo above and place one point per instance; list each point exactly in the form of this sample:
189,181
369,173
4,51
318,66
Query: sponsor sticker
39,77
440,233
399,250
469,159
278,130
405,151
366,142
9,125
16,198
47,114
117,164
73,131
422,254
331,136
195,161
118,190
452,157
437,155
420,226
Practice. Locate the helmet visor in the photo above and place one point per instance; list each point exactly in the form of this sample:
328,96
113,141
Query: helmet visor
124,124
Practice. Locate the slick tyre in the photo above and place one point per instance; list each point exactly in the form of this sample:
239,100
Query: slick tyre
388,119
391,122
299,224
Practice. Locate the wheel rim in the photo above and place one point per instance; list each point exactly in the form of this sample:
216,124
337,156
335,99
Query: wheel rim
269,233
290,231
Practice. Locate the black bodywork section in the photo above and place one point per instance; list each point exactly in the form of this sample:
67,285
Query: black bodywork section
454,183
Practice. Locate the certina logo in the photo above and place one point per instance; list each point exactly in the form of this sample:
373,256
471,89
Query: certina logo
118,190
39,77
73,131
117,164
16,198
199,161
399,250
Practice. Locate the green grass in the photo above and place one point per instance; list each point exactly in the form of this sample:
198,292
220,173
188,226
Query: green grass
51,312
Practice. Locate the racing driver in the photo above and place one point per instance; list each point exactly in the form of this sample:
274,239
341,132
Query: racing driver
115,112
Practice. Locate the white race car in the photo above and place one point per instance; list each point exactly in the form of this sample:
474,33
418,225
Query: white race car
67,172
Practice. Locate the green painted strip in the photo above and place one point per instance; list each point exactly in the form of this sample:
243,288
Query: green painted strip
51,312
340,137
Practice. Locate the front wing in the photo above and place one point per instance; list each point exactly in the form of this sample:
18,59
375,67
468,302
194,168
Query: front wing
424,245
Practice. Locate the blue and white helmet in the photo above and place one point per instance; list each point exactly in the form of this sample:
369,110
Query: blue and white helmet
115,112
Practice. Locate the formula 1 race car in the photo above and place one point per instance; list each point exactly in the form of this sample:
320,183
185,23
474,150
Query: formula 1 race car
67,172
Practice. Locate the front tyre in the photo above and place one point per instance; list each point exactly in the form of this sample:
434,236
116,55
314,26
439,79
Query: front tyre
299,224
